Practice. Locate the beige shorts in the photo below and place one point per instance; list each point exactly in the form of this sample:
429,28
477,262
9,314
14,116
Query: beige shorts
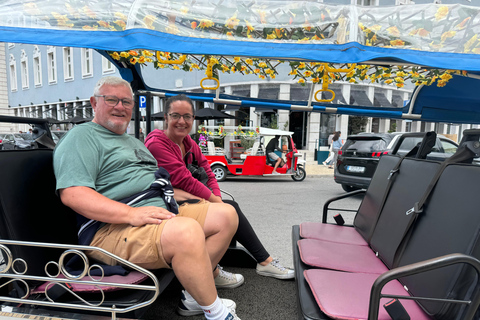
141,245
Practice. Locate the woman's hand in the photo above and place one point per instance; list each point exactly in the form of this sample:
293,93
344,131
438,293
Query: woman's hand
214,198
148,215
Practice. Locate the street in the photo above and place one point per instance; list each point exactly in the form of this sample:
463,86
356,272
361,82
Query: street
274,205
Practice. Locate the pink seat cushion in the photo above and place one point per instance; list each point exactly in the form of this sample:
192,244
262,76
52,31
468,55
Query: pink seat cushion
344,295
340,256
331,232
133,277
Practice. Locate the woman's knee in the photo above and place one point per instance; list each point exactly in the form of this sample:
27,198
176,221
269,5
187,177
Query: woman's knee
184,233
226,214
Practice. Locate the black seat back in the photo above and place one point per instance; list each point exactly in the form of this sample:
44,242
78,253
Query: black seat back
29,208
449,223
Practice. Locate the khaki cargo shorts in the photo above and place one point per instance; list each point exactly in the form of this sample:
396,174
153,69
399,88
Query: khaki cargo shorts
141,245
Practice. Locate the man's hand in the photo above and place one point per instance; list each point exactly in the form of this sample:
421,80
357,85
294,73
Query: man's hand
214,198
148,215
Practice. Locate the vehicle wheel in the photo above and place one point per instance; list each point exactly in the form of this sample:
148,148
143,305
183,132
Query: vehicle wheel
220,173
348,188
299,175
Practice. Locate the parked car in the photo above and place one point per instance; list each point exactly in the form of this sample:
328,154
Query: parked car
360,154
12,141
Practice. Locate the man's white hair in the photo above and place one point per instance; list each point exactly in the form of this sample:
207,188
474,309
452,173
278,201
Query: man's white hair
111,81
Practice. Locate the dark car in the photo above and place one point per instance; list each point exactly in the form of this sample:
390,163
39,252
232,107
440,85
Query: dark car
12,141
358,159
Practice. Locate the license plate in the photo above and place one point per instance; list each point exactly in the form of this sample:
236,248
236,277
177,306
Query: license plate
355,169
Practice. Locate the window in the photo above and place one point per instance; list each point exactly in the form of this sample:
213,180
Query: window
68,64
107,66
87,66
13,74
52,65
37,66
24,69
365,3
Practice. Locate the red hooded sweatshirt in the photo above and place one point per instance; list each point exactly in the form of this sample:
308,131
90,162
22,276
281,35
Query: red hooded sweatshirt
169,156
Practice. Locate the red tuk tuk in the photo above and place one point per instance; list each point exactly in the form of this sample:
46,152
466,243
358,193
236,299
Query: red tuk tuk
244,154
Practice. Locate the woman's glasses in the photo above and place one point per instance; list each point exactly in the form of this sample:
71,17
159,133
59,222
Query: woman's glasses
176,116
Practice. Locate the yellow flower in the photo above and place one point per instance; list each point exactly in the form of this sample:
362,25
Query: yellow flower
469,43
394,31
89,12
350,74
446,76
401,74
315,37
316,80
123,54
448,34
301,80
352,80
233,69
121,24
397,42
272,76
308,73
261,76
133,60
441,83
293,72
441,13
271,36
115,56
225,68
205,23
195,66
388,81
120,16
149,20
249,61
301,65
103,24
256,71
232,22
399,80
262,65
236,59
175,67
462,24
148,60
141,59
250,28
147,53
133,53
400,85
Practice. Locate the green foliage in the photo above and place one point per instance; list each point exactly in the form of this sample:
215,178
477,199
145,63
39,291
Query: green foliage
246,143
356,124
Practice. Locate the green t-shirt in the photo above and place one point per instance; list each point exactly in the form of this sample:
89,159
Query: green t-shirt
116,166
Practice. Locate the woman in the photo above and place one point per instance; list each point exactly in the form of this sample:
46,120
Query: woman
336,146
170,147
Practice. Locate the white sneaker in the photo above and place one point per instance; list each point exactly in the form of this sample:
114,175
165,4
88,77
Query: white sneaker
276,270
228,280
189,306
275,172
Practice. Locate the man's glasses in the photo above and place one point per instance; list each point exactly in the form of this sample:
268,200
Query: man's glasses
176,116
112,101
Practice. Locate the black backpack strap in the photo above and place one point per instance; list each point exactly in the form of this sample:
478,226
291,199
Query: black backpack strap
422,148
464,154
194,161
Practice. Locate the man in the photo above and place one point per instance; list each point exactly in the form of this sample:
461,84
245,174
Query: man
98,165
270,150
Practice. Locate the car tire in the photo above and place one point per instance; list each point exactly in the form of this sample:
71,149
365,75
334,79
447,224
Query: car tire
299,174
348,188
220,172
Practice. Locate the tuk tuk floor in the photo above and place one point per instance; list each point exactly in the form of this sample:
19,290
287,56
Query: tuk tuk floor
259,298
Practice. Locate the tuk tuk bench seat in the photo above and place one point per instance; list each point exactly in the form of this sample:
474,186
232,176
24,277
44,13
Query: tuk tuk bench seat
334,276
32,218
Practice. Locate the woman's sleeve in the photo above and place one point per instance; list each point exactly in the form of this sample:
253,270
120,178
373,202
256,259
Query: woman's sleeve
180,176
212,181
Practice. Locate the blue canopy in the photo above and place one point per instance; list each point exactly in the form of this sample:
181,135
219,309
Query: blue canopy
429,36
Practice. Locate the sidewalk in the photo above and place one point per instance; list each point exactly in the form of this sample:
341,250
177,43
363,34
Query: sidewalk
312,168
